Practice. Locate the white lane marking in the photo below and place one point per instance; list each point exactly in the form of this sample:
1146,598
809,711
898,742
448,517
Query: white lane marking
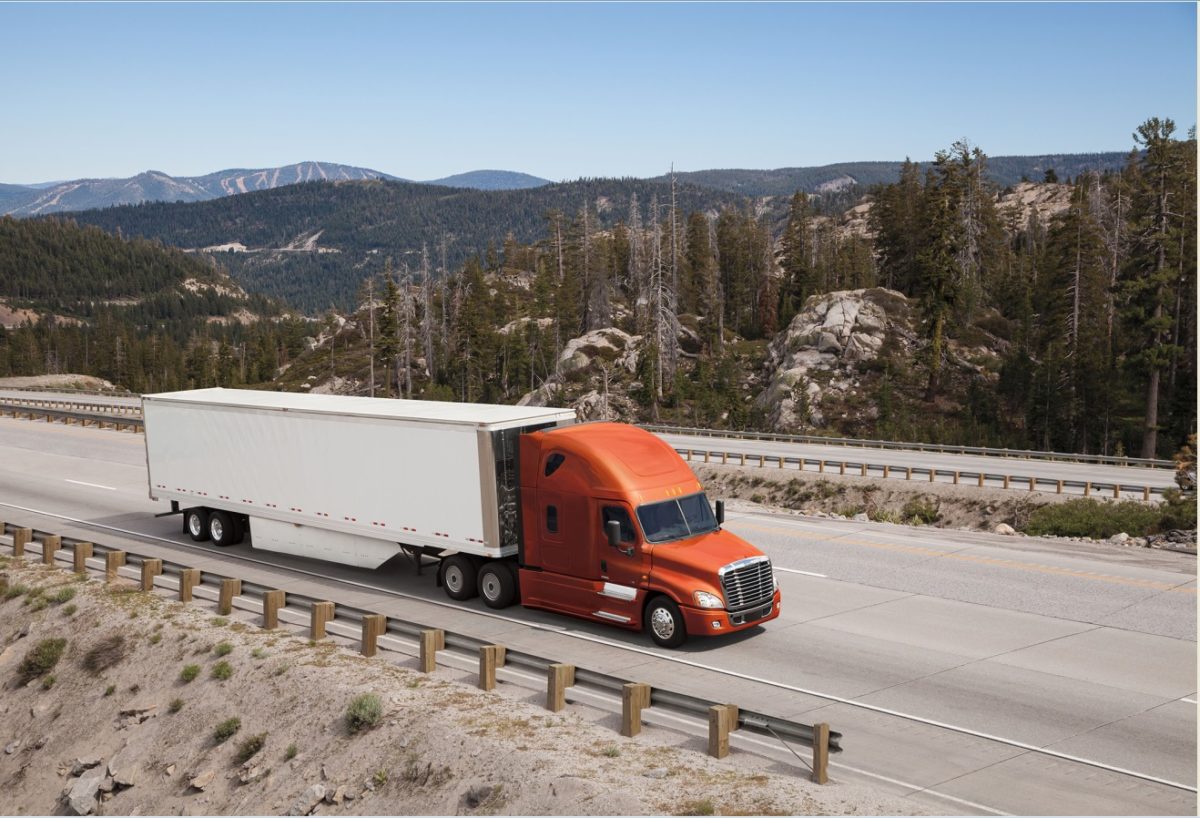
1189,701
93,485
798,571
1033,748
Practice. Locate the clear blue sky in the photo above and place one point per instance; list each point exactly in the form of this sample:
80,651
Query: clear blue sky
422,91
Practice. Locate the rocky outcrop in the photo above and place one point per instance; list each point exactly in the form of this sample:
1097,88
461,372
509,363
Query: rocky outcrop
608,346
816,360
584,366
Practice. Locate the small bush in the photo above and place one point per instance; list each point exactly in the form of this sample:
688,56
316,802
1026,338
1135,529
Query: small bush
703,807
111,689
921,511
612,751
222,670
175,706
223,649
290,752
226,729
364,712
380,778
258,653
219,621
63,594
48,682
14,591
108,652
155,638
41,659
70,610
189,673
37,603
250,747
1086,517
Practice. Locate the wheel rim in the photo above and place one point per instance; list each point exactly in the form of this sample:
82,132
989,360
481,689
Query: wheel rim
454,578
489,585
662,623
194,526
216,529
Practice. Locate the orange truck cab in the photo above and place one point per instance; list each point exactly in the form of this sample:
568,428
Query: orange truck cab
617,529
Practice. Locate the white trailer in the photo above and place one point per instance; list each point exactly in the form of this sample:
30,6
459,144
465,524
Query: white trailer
345,479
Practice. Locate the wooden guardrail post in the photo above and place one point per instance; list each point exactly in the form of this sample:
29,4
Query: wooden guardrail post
272,602
821,466
1006,479
189,578
887,470
932,474
558,678
82,552
490,658
724,458
113,560
1145,494
1116,491
743,457
432,641
706,453
373,627
322,613
21,538
1033,484
956,478
820,762
862,469
229,589
1058,487
634,697
50,544
150,569
1087,488
981,480
722,719
842,467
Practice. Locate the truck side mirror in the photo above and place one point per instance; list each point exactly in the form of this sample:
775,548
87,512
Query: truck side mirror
612,530
720,512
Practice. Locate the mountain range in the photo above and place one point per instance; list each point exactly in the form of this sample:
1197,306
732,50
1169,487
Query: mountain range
155,186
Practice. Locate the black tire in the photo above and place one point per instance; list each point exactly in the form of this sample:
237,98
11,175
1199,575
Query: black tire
222,529
460,578
497,585
665,623
195,524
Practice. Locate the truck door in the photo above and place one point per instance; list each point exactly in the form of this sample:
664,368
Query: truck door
622,569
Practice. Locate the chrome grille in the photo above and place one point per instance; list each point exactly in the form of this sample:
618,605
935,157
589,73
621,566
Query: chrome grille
747,583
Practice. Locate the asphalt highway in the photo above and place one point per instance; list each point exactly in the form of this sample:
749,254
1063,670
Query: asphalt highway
946,658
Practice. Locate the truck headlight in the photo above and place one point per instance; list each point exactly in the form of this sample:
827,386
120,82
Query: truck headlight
706,600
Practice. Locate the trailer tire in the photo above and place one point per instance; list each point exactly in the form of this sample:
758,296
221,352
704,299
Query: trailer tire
195,524
459,577
222,529
665,623
497,585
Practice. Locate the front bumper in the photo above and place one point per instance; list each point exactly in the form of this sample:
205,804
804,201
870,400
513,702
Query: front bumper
708,622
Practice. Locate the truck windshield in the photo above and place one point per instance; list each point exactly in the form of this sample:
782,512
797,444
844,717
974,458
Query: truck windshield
676,519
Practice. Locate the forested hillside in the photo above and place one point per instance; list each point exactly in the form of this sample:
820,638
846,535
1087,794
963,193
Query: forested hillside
131,311
312,243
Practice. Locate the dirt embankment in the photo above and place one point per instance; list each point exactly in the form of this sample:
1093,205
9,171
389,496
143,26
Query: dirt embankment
116,724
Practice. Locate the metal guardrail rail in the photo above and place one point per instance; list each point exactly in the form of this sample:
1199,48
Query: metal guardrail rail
748,720
111,393
76,406
1024,454
978,479
69,416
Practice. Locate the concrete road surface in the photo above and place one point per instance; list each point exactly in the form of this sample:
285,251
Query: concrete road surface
945,658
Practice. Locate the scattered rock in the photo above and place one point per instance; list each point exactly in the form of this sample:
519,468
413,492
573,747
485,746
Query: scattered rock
21,634
252,772
12,747
42,742
369,785
655,772
81,798
348,794
861,517
120,768
85,763
202,780
308,800
335,796
1005,529
170,770
474,796
1119,539
107,784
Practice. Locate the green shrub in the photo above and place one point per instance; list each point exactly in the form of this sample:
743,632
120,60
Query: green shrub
41,659
258,653
111,689
63,594
290,752
48,682
219,621
1085,517
248,748
921,511
37,603
106,653
70,610
175,706
223,649
226,729
189,673
222,670
380,778
155,638
704,807
364,712
14,591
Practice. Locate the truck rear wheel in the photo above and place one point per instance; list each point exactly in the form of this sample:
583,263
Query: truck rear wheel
459,577
195,524
224,529
497,585
665,623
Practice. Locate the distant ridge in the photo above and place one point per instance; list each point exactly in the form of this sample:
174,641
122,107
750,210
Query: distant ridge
491,180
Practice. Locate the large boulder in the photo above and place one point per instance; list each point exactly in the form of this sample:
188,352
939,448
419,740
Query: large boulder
818,358
609,344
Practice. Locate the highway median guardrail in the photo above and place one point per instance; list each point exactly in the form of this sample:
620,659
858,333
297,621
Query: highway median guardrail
68,416
817,440
977,479
375,631
75,406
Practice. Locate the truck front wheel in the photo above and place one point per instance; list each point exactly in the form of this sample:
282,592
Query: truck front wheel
459,577
195,524
497,585
665,623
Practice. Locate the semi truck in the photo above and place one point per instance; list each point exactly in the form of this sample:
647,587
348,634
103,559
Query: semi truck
602,521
